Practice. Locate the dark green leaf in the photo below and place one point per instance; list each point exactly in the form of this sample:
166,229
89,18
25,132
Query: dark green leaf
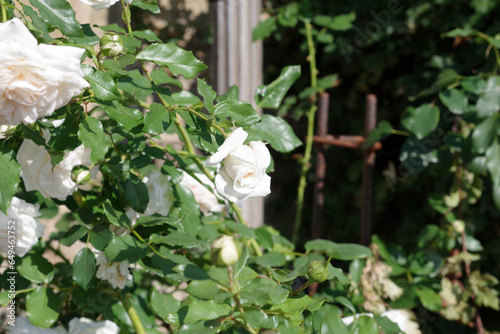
271,260
9,182
455,100
59,13
125,248
84,267
383,130
264,28
205,290
488,103
136,193
166,306
199,310
416,155
35,268
270,96
367,325
257,318
100,236
147,34
91,133
152,6
177,60
73,234
276,131
484,133
102,84
340,22
177,238
422,121
157,120
429,298
349,252
43,306
208,95
128,118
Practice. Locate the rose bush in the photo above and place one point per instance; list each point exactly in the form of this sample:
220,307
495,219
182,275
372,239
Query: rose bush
35,79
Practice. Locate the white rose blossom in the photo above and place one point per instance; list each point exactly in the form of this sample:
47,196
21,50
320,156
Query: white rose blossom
27,229
101,4
76,326
205,198
116,273
161,195
243,172
35,79
38,174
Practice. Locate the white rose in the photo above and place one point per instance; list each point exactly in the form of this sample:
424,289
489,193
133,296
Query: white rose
243,173
5,130
35,79
116,273
161,195
38,174
205,198
101,4
27,229
88,326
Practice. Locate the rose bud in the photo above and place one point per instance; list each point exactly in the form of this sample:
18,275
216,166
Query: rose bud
318,271
224,251
111,45
80,174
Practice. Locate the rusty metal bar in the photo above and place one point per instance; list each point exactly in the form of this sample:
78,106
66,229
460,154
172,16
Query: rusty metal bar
320,172
353,142
369,163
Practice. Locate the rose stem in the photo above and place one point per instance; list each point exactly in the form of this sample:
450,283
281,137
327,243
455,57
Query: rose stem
132,313
310,132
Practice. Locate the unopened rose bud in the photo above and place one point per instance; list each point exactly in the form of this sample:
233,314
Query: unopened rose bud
80,174
458,226
224,251
318,271
111,45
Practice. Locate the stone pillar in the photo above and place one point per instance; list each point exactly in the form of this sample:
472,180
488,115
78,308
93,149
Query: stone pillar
238,61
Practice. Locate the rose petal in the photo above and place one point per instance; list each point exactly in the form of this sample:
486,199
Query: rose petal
262,155
224,186
263,189
236,139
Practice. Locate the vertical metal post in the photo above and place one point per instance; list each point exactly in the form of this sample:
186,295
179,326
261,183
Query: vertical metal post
369,163
320,172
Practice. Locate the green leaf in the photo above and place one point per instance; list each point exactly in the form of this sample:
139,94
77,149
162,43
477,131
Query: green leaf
166,306
152,6
455,100
340,22
136,193
484,133
488,103
199,310
73,234
91,133
205,290
367,325
288,15
100,236
270,96
128,118
338,274
102,84
35,268
176,238
125,248
474,85
347,303
429,298
157,120
264,28
333,324
241,113
349,252
177,60
185,98
383,130
147,34
84,267
276,131
262,291
208,95
257,318
271,259
9,182
116,217
43,306
59,13
160,77
422,121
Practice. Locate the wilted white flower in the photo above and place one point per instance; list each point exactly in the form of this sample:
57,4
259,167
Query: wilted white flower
243,172
35,79
38,173
403,318
116,273
205,198
224,251
161,195
88,326
21,222
102,4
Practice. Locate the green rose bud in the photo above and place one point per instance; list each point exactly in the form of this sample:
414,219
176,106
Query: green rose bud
224,251
80,174
318,271
111,45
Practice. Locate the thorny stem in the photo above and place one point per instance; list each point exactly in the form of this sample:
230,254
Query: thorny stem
235,290
310,133
132,313
3,4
